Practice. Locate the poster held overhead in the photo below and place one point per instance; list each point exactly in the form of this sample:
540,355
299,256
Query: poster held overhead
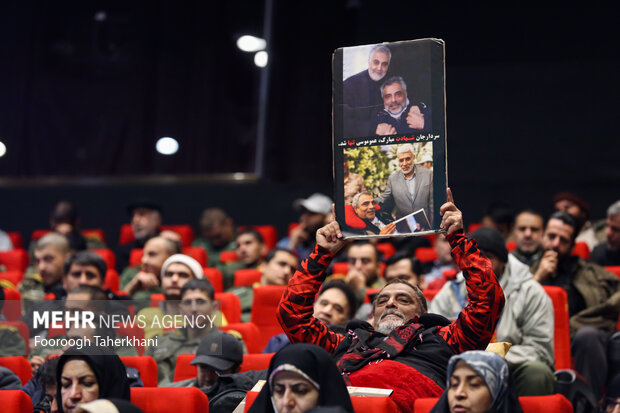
389,138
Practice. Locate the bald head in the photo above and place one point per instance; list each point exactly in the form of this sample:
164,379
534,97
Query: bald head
156,251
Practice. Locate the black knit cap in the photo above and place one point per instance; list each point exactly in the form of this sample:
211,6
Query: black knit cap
489,239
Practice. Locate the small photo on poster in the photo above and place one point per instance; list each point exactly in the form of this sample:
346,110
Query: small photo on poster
388,189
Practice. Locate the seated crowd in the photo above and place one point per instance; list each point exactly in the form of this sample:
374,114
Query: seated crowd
414,316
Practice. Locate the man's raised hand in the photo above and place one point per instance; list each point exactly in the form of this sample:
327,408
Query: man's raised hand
452,218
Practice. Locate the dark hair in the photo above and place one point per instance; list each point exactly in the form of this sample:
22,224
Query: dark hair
199,284
64,212
416,266
47,372
255,234
362,242
346,290
419,294
87,258
274,251
567,219
530,211
96,293
500,213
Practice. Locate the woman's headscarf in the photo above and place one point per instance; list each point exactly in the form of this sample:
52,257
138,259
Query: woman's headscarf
107,366
494,371
313,363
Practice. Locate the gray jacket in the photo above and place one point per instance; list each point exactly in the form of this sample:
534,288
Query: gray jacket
397,194
527,320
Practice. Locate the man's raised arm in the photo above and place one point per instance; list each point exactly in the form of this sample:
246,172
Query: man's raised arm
296,308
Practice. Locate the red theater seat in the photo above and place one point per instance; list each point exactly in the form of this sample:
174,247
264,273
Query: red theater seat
14,260
231,306
429,294
15,277
15,401
582,250
228,256
183,369
555,403
561,333
135,257
426,254
156,299
369,292
22,329
125,235
197,253
250,334
340,268
614,269
16,239
246,277
94,234
185,231
215,278
18,365
473,226
258,361
386,249
13,304
268,232
108,256
266,300
170,399
511,246
146,366
112,280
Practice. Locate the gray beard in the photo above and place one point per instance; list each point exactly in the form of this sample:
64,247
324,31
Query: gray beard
387,326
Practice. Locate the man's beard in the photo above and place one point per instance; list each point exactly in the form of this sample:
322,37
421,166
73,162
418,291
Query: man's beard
376,75
387,326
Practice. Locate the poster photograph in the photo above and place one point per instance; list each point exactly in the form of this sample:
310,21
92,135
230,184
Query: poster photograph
389,140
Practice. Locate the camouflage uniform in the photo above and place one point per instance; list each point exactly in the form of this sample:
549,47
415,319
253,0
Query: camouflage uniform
11,342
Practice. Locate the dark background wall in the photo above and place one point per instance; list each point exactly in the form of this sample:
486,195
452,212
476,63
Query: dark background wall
531,104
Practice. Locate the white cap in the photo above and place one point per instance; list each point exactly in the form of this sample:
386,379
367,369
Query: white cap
425,158
317,203
191,263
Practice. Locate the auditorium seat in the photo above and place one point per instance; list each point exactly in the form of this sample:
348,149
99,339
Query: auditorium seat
146,366
361,404
135,257
431,238
473,226
185,231
16,239
228,256
386,249
343,268
429,294
215,278
170,399
426,254
112,280
614,269
561,333
18,365
156,299
511,246
231,306
125,235
108,256
246,277
555,403
268,232
582,250
95,234
12,309
369,292
22,329
266,300
183,369
250,334
130,331
14,277
14,260
15,401
197,253
257,361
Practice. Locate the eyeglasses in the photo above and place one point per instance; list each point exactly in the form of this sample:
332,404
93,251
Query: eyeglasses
610,404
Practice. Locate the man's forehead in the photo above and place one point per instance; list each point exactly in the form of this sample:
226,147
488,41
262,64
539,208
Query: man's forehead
364,250
178,267
285,256
526,218
48,249
396,288
195,293
83,267
404,155
399,265
379,55
366,198
555,225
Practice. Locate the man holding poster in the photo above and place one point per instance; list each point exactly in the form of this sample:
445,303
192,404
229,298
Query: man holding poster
409,189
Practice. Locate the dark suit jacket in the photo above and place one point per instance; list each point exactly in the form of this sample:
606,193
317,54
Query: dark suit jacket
397,195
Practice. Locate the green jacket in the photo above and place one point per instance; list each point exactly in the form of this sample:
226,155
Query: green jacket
11,343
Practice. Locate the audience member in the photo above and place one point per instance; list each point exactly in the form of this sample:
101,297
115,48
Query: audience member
587,231
334,306
364,268
499,216
413,347
527,320
217,231
251,251
527,234
313,214
142,282
608,253
42,387
64,220
9,380
300,377
11,342
443,262
89,373
197,304
478,381
146,218
593,297
278,268
611,401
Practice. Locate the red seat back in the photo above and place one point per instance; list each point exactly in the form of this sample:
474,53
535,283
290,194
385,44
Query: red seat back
135,257
257,361
197,253
231,306
369,292
264,306
108,256
15,401
185,231
582,250
95,234
22,329
555,403
112,280
246,277
250,334
126,234
228,256
268,232
146,366
473,226
156,299
15,277
12,305
340,268
15,259
183,370
511,246
561,332
614,269
18,365
429,294
386,249
215,278
170,399
16,239
426,254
